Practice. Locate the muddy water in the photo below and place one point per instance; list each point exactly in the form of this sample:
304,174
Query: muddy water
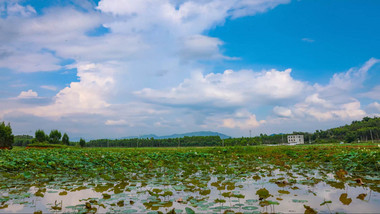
273,190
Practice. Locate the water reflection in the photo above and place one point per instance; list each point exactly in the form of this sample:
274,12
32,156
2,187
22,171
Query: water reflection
269,189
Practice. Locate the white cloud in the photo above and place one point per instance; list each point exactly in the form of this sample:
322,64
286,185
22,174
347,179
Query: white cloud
345,111
347,81
49,87
115,122
182,17
30,62
374,108
332,102
315,99
243,120
15,9
278,85
146,69
282,111
373,94
230,89
27,94
335,101
201,47
88,96
251,7
308,40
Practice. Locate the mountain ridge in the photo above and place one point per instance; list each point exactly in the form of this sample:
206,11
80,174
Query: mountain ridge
188,134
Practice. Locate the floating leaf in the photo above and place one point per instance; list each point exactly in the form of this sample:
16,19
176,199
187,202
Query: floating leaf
343,198
250,208
189,210
299,201
62,193
263,193
273,202
283,192
309,210
221,208
341,173
361,196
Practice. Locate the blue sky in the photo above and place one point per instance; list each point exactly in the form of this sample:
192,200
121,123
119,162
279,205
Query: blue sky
315,38
111,68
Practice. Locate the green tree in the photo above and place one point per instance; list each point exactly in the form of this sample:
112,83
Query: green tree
40,135
350,137
65,139
82,142
6,136
22,140
55,136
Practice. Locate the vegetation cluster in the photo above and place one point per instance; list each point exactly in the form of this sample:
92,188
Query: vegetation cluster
151,142
368,129
6,136
162,175
40,139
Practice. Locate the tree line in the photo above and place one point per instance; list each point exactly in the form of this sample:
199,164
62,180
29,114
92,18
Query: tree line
368,129
152,142
55,137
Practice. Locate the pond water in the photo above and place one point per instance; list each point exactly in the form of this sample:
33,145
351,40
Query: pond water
268,189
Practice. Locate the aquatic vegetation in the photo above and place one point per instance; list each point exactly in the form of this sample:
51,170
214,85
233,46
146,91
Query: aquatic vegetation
190,180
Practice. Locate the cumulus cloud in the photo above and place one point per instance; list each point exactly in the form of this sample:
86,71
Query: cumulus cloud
200,47
345,111
374,108
282,111
335,101
242,119
115,122
88,96
230,89
147,70
290,99
184,16
348,81
27,94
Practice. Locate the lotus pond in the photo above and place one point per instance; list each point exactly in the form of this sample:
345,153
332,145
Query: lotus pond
280,179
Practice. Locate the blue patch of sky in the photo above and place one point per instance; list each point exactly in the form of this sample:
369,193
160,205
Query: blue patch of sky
5,82
63,61
34,81
98,31
41,5
373,76
314,38
66,62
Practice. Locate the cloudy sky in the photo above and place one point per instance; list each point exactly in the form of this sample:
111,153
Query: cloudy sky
116,68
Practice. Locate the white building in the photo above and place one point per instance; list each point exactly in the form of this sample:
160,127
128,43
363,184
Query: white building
295,139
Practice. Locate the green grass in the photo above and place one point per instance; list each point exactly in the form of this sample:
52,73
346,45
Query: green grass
46,145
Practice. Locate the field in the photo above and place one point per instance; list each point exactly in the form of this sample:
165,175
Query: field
303,178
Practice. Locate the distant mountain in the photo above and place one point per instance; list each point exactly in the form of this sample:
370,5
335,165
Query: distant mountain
190,134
